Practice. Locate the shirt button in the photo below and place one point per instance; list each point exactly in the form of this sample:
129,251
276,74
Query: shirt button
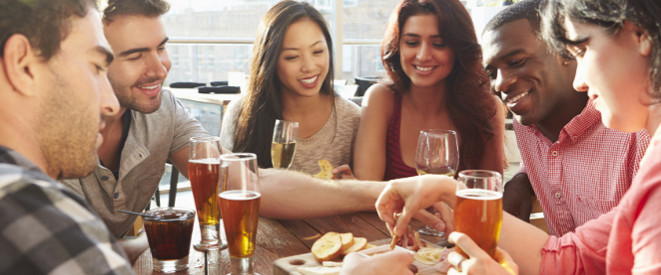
558,195
104,178
116,195
140,155
554,153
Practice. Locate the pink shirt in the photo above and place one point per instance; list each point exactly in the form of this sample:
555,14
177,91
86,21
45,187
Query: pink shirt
584,173
627,240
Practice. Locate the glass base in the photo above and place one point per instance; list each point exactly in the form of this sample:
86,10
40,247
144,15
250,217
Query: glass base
170,266
210,238
241,266
427,230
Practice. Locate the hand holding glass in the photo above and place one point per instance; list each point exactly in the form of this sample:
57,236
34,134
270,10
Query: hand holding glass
478,211
204,173
437,153
239,203
283,147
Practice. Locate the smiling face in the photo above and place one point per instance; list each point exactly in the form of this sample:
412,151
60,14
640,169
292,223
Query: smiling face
532,81
78,95
141,61
613,70
303,61
425,59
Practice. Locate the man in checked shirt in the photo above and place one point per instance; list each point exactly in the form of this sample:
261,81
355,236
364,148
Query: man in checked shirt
54,95
577,168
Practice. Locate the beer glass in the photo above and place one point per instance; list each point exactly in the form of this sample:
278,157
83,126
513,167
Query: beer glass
478,211
204,175
437,153
283,146
169,232
239,203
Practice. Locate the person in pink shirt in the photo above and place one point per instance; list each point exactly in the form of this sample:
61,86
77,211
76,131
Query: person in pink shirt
576,167
617,46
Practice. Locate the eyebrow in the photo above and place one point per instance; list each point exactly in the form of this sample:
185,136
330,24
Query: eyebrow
294,49
417,35
106,52
505,56
576,42
145,49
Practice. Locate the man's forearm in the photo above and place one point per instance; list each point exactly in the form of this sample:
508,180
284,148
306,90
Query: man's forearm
293,195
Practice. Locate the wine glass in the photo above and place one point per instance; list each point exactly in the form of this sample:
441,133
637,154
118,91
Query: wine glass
204,175
283,146
437,153
239,203
478,210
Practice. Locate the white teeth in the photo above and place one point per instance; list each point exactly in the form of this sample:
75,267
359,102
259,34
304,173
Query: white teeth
423,69
309,80
149,87
516,98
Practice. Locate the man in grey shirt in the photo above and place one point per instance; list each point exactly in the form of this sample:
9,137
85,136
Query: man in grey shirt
152,127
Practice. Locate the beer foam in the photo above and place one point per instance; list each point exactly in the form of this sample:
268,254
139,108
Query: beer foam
205,161
239,195
479,194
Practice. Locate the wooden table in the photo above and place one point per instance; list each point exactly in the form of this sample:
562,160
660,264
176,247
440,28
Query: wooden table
277,239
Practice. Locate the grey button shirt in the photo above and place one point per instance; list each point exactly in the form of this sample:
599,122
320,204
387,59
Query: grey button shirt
152,139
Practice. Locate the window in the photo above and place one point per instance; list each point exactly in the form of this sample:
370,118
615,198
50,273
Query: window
208,39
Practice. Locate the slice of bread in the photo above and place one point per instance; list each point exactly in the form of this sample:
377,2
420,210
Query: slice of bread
328,247
359,243
347,240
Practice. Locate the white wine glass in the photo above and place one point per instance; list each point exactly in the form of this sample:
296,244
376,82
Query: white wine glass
437,153
283,147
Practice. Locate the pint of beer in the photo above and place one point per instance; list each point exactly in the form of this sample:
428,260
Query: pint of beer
478,211
204,177
204,173
239,203
241,216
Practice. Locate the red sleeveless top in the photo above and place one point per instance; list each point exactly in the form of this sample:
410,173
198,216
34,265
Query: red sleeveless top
395,166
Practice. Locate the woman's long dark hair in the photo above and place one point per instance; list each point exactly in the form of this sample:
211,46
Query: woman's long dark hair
262,104
469,102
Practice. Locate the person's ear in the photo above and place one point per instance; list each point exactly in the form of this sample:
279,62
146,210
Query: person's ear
642,38
18,62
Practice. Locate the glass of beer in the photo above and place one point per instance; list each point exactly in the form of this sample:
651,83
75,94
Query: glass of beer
283,146
478,211
204,175
239,203
169,233
437,152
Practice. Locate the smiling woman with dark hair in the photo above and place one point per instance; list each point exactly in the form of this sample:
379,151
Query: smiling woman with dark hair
291,79
435,80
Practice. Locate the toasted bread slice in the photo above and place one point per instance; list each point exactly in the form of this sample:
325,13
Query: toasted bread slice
326,170
328,247
359,243
347,240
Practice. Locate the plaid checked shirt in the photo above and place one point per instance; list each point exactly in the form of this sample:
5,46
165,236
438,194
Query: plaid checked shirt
584,173
45,229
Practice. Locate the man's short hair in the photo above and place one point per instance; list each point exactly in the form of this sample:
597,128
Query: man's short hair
525,9
45,23
149,8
